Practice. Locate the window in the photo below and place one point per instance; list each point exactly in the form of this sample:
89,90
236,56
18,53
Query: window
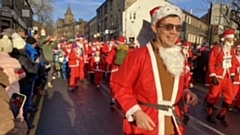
130,16
134,16
105,9
216,21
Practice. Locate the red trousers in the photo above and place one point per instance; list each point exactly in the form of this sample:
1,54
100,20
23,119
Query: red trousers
74,76
225,87
236,89
81,70
98,77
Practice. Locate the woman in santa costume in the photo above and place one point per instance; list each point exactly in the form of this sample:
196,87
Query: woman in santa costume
97,65
150,84
222,63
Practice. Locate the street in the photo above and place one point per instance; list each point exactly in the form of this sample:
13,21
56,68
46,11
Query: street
87,112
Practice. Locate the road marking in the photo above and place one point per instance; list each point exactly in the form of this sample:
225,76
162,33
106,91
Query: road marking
191,117
37,117
206,126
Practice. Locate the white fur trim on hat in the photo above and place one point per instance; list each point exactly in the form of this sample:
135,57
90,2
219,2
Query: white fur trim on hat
229,36
18,41
6,44
165,11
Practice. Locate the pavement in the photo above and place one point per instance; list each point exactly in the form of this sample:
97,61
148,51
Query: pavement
87,112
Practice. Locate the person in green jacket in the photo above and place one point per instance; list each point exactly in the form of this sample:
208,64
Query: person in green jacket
48,50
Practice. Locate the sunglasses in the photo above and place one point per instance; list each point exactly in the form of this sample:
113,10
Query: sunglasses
170,27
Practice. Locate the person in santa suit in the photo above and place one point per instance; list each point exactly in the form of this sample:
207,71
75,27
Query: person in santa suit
97,65
236,83
222,67
178,42
104,53
188,57
110,60
152,79
87,49
80,50
73,62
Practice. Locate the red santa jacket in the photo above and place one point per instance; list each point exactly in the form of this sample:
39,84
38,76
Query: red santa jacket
87,49
237,71
221,63
73,59
138,80
111,58
97,64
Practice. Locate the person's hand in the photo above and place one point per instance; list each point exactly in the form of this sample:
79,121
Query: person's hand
48,38
191,98
214,80
144,121
37,60
20,114
232,78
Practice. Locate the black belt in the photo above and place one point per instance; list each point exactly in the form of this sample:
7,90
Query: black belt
166,108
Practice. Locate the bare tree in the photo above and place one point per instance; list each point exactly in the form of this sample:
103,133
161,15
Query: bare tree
43,10
231,12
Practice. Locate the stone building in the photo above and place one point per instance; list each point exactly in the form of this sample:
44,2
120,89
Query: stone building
16,14
68,26
109,19
194,29
218,19
132,19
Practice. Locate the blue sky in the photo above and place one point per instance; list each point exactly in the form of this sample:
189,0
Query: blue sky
86,9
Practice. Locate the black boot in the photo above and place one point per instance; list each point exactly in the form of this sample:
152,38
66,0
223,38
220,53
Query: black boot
221,115
221,118
210,117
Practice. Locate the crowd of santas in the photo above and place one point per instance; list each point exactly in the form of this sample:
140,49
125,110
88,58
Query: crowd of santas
82,57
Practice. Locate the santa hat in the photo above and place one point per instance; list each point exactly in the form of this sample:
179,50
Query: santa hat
187,44
159,13
79,36
18,41
121,40
178,42
228,33
6,44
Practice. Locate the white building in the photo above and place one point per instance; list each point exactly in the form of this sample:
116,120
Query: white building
136,17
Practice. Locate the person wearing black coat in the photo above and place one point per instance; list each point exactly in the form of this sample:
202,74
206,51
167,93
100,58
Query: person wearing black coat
27,83
42,74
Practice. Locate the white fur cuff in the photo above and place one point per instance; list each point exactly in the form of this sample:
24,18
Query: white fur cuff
131,111
213,74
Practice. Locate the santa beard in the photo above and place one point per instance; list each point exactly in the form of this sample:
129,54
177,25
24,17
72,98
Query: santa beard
185,52
173,60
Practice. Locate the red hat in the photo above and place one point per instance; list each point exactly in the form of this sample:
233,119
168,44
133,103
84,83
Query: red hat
159,13
187,44
228,33
178,42
97,50
122,40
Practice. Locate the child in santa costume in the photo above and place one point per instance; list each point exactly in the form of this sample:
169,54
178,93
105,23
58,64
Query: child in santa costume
222,69
97,65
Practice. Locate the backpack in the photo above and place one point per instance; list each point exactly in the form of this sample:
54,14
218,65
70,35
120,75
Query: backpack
122,51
